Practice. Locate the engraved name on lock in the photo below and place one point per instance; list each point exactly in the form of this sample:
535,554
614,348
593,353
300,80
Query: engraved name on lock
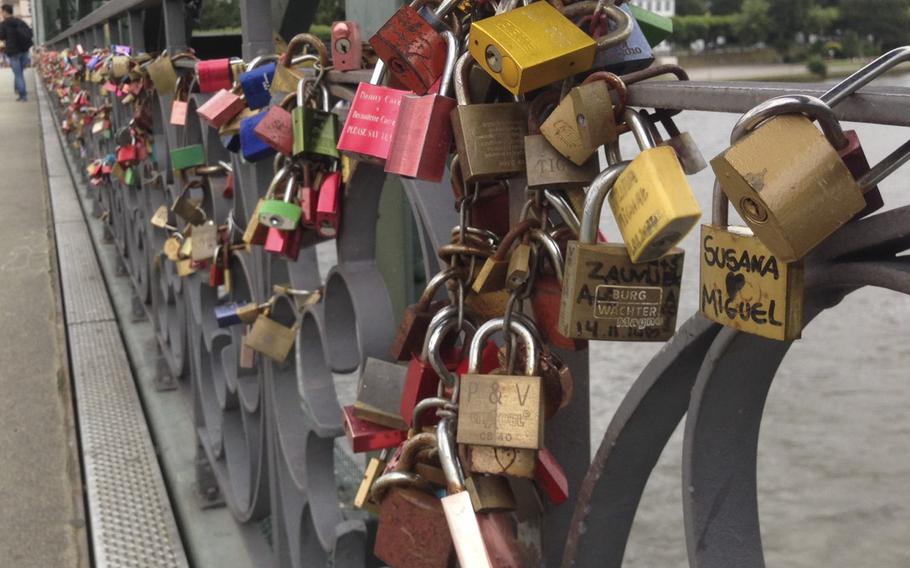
500,410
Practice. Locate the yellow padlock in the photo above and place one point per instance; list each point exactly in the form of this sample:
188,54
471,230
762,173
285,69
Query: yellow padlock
535,45
743,284
652,200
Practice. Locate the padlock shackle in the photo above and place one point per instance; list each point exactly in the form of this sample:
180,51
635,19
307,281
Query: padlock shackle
393,479
451,58
448,456
520,228
562,207
276,179
594,201
378,73
623,22
871,71
462,78
485,331
808,105
444,322
424,405
297,43
552,249
438,279
418,441
886,167
260,60
640,128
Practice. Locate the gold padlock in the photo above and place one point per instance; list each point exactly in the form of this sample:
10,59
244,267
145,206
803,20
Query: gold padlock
270,338
535,45
743,284
501,410
652,200
514,462
607,296
787,181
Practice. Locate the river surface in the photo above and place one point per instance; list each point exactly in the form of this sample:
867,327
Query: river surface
834,450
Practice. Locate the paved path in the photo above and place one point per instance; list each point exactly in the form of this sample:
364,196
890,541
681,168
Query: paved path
41,514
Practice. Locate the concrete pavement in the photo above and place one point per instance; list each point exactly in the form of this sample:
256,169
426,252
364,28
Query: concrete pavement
42,522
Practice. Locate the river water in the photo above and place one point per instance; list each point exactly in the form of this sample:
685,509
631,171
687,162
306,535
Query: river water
834,451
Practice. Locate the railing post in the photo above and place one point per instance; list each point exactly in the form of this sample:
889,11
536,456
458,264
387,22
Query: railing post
97,37
174,25
256,22
135,23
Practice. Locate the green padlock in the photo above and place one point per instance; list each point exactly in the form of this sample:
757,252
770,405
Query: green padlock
315,130
655,27
188,157
283,215
129,177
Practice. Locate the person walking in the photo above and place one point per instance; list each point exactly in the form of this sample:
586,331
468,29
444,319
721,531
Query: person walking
18,38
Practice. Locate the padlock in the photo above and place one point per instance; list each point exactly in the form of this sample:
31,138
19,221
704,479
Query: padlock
271,338
489,137
328,207
413,531
187,157
546,167
188,208
493,273
120,66
413,51
375,468
161,71
432,366
501,410
226,315
281,214
551,478
585,119
785,178
180,105
214,75
654,26
368,436
205,241
276,128
687,151
416,318
256,81
532,46
743,284
347,46
367,132
605,295
287,75
423,133
546,295
379,393
127,154
284,243
634,53
315,129
222,108
256,232
490,493
252,146
652,200
172,246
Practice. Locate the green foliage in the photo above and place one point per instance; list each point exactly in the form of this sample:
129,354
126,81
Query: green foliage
322,31
851,45
753,23
687,29
817,66
219,14
691,7
724,7
888,21
329,11
822,20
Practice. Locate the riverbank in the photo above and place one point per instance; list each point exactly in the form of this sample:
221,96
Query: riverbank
776,71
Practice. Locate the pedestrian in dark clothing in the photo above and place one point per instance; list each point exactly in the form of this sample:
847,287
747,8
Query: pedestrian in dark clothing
18,38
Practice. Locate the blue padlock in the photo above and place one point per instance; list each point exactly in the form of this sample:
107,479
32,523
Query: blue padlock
252,146
227,315
231,142
256,82
631,55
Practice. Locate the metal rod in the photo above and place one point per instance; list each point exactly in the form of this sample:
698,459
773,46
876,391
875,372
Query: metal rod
886,167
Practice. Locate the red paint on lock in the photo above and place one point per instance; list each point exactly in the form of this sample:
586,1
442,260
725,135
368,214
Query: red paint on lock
365,436
422,137
413,51
277,130
328,208
214,74
367,132
551,478
178,113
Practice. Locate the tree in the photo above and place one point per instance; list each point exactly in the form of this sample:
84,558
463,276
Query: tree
329,11
753,23
691,7
788,18
722,7
888,21
821,20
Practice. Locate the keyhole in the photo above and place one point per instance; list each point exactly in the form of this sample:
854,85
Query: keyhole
752,210
582,120
494,58
343,46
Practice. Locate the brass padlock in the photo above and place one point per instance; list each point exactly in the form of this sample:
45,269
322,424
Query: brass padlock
652,200
375,467
535,45
501,410
271,338
785,178
605,295
489,137
546,167
743,284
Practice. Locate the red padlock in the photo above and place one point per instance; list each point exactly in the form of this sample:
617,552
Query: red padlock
127,154
222,107
328,208
423,132
413,50
284,243
367,132
347,46
277,127
365,436
214,74
550,477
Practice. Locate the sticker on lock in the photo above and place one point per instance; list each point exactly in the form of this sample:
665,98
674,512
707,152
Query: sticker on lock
633,306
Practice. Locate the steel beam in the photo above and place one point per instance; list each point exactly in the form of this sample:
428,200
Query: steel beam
878,105
174,25
256,21
136,30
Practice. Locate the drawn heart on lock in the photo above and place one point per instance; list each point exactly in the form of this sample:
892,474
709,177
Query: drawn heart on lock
509,452
735,283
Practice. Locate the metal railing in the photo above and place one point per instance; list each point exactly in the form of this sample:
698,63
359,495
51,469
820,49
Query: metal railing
266,434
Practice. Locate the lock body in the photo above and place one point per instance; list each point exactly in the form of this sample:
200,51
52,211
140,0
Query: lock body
366,436
413,531
379,393
252,146
495,460
328,207
422,137
653,204
746,287
256,84
501,410
347,46
547,168
606,296
490,140
279,214
214,75
530,47
789,185
367,132
187,157
315,133
581,122
412,50
270,338
276,129
654,27
221,108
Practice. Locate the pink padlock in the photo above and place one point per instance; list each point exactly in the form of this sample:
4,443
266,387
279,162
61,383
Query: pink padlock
347,46
367,132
